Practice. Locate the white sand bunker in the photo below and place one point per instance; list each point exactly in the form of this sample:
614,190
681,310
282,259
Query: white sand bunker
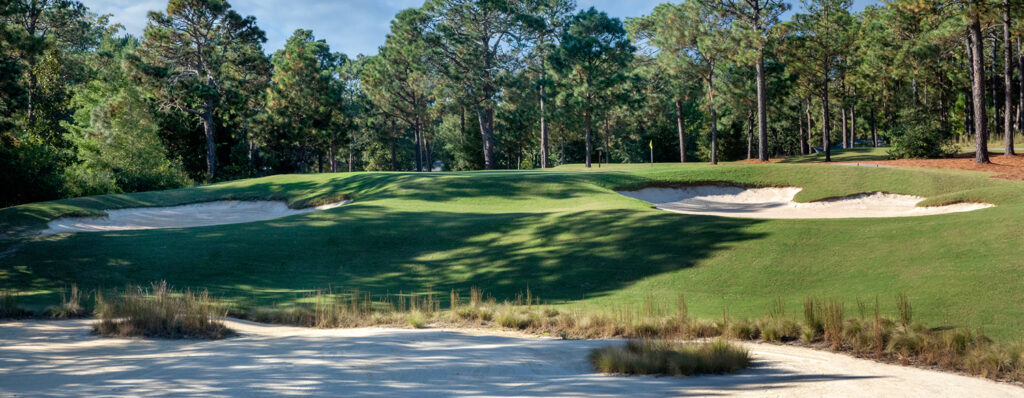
726,201
62,358
185,216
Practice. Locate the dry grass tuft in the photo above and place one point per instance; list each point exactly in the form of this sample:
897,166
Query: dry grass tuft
70,305
9,306
160,312
661,357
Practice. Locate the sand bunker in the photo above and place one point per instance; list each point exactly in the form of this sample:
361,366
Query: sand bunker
726,201
193,215
62,358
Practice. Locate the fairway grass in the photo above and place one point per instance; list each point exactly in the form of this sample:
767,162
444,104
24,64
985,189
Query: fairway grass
565,235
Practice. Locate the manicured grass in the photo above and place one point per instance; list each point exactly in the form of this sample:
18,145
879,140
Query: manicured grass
564,234
844,155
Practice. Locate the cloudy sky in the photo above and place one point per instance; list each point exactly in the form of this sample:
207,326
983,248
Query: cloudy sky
349,26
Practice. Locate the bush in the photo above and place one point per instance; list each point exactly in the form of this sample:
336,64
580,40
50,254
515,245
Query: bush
669,358
918,134
160,312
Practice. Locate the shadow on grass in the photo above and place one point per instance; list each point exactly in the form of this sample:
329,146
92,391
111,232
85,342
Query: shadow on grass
559,256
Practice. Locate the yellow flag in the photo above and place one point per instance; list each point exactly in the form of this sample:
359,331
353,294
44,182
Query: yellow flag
651,144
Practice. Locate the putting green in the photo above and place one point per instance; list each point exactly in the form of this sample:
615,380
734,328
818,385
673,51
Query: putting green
565,234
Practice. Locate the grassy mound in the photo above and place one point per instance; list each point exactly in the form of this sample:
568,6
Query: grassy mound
670,358
564,234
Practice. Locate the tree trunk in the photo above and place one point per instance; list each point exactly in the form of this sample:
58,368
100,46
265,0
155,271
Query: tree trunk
209,130
416,136
714,120
800,133
968,91
607,141
994,77
874,126
394,153
825,125
762,111
750,137
1007,81
978,90
810,127
853,126
394,146
333,156
428,160
589,128
843,111
543,132
682,133
1020,88
486,117
351,159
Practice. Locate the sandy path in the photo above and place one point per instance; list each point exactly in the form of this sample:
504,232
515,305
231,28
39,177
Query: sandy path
60,358
777,203
184,216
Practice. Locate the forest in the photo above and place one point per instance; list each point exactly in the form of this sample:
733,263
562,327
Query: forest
87,109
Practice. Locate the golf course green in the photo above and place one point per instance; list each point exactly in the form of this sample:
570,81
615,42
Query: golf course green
565,234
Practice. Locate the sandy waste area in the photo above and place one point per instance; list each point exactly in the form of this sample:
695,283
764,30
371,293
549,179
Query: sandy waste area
62,358
728,201
185,216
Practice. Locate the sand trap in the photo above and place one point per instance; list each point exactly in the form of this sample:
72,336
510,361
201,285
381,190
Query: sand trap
61,358
193,215
726,201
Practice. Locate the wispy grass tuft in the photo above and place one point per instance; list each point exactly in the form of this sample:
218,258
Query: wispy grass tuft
670,358
9,306
70,305
160,312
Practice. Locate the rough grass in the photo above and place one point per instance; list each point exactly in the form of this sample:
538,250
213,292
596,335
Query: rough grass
161,312
658,357
566,234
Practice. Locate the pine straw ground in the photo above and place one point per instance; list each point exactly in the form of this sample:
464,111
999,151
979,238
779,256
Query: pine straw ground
1006,167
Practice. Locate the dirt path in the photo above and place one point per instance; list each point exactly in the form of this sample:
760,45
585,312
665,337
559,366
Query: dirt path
60,358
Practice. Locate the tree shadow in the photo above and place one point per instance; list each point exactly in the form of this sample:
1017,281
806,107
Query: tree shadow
366,362
559,256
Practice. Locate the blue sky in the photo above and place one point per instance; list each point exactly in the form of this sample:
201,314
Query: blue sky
349,26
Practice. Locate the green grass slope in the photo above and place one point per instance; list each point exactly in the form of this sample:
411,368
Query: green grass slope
566,235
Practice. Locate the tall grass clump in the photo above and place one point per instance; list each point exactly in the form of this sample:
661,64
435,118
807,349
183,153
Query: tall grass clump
9,306
70,305
906,313
659,357
159,311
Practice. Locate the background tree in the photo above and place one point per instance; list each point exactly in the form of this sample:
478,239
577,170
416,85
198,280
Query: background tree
301,101
824,28
591,58
194,50
753,23
543,23
475,43
398,78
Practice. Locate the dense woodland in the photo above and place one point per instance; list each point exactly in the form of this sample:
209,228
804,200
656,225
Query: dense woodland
493,84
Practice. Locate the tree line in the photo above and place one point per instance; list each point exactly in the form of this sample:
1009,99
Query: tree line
494,84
